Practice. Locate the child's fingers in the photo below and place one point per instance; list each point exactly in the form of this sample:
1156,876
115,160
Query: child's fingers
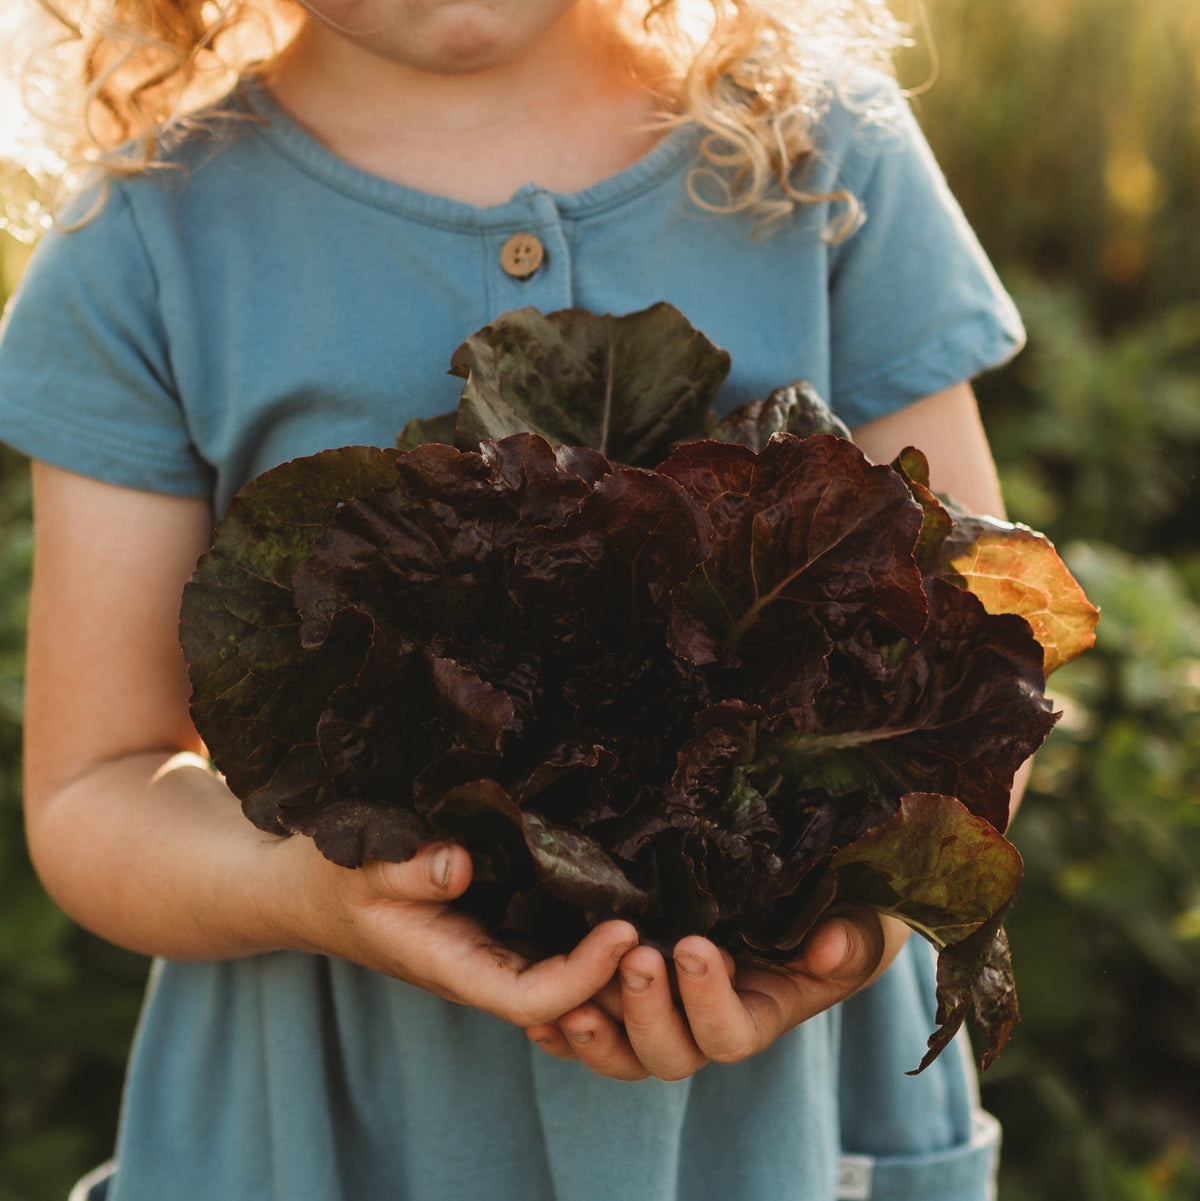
732,1021
655,1027
394,918
599,1044
728,1023
609,999
439,871
849,946
551,1040
493,978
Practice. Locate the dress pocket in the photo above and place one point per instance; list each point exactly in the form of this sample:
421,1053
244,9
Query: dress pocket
963,1173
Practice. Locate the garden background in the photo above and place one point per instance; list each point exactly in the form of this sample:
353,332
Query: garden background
1070,130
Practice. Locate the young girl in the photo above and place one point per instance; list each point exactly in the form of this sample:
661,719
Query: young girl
291,271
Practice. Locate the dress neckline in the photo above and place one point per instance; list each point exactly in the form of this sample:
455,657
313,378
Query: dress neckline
287,136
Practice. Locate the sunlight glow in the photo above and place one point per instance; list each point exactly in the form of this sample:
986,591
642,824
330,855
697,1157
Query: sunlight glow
23,30
12,111
12,121
28,158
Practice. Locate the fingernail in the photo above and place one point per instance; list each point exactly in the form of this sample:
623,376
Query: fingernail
440,864
620,952
847,957
636,981
579,1036
691,965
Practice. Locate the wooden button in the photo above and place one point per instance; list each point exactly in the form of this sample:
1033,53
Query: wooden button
522,255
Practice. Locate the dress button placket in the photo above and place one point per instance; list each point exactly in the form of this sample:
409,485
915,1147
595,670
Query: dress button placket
532,264
522,255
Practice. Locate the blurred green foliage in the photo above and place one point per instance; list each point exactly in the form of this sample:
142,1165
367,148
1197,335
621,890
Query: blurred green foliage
1100,1089
1070,130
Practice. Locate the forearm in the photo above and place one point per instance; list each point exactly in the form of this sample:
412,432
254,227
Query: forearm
947,428
151,851
155,858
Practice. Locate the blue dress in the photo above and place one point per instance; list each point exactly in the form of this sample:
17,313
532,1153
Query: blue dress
268,300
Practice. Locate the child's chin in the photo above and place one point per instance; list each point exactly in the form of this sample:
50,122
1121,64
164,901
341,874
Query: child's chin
475,36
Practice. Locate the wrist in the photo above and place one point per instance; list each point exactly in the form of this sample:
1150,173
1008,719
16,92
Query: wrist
297,897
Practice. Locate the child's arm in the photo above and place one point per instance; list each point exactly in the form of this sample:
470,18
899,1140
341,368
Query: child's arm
139,842
947,427
726,1015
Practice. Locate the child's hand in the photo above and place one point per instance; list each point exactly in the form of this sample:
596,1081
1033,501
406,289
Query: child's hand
394,918
724,1014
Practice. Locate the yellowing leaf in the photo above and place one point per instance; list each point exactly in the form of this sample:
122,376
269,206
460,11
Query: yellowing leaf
1016,570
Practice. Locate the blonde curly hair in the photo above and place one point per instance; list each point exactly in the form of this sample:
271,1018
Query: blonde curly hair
113,78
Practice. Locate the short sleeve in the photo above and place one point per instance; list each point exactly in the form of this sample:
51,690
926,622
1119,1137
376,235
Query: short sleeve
85,376
915,306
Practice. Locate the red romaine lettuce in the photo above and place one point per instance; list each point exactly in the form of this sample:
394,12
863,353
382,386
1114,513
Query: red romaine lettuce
714,686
